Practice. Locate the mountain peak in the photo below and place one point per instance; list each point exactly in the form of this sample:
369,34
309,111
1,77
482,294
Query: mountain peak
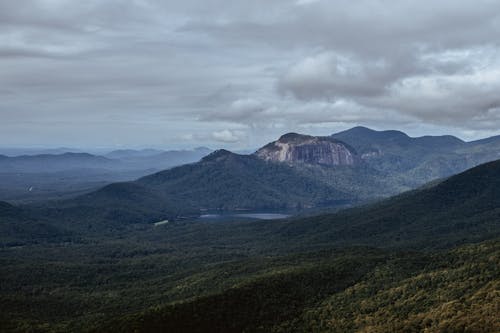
293,137
294,147
218,155
371,133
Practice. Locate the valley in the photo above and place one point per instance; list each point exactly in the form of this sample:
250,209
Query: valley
291,246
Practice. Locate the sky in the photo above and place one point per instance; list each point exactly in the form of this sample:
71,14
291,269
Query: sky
237,74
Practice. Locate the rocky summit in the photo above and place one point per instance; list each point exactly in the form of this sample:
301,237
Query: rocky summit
298,148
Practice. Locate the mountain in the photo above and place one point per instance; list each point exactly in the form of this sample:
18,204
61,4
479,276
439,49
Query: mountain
156,159
295,172
298,148
462,208
331,286
220,181
394,150
367,141
117,160
415,161
12,152
228,181
405,264
128,153
52,163
224,180
121,160
35,178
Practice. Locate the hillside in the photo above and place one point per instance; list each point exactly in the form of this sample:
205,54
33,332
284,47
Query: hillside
415,161
221,181
224,180
284,275
227,181
19,227
462,208
446,292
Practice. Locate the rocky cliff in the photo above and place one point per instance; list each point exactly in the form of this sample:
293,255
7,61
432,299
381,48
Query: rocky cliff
293,147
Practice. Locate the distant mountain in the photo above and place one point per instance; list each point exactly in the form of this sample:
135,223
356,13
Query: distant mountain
295,172
160,160
117,160
298,148
52,163
131,153
156,160
37,151
415,161
29,178
369,142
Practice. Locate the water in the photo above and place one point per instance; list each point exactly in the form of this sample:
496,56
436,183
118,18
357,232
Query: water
232,215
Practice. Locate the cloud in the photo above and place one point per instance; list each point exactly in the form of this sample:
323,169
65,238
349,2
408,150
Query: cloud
226,136
165,68
328,75
238,111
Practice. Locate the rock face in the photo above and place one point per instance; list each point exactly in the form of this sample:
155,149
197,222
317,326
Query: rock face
293,148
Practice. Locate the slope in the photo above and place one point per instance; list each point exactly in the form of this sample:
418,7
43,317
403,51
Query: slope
451,291
288,275
415,161
221,181
228,181
462,208
18,227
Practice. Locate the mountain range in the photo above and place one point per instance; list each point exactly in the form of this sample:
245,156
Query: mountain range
362,288
358,164
296,172
422,260
418,160
40,177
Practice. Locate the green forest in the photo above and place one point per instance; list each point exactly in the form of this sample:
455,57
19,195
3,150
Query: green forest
424,261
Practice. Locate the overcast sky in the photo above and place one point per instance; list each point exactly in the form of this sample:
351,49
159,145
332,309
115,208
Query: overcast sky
237,74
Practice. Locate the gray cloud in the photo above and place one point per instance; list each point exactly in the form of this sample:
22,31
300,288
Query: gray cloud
241,73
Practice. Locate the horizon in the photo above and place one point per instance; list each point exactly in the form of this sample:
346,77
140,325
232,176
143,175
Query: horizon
101,150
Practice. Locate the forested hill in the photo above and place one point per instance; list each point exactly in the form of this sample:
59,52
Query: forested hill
220,181
389,266
462,208
338,288
455,291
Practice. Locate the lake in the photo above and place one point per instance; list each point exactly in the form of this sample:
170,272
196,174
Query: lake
252,215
